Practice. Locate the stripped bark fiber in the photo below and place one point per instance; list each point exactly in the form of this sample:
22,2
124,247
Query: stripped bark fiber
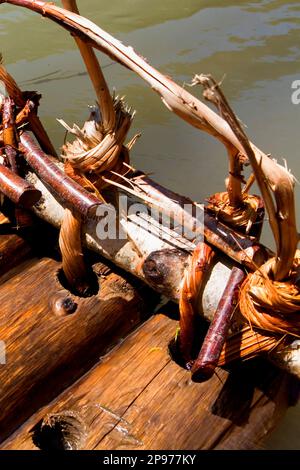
191,289
282,217
103,95
73,265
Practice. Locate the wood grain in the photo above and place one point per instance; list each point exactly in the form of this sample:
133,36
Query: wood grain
13,250
138,398
48,344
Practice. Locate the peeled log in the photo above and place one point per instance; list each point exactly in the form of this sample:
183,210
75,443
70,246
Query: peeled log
152,257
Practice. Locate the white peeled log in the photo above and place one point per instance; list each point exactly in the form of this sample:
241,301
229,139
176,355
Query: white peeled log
288,358
129,254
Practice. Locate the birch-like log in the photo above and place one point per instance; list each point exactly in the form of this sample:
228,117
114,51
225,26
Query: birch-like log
146,243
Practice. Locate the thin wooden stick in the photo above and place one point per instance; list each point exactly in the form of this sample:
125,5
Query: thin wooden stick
17,189
71,192
37,127
95,73
207,360
9,133
193,282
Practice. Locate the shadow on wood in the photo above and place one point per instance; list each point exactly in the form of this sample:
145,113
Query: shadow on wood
138,398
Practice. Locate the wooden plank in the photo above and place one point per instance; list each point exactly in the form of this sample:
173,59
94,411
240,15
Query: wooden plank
13,251
138,398
48,348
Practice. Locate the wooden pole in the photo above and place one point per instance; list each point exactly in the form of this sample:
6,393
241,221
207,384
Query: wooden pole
16,189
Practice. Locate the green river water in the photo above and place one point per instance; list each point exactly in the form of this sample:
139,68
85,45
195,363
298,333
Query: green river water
255,45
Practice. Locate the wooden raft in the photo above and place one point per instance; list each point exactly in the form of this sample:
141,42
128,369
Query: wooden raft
136,397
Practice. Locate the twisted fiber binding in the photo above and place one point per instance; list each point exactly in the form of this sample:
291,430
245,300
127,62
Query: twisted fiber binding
191,288
242,217
94,154
70,244
270,305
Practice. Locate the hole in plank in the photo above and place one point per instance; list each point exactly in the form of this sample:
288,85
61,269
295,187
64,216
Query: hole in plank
60,431
92,281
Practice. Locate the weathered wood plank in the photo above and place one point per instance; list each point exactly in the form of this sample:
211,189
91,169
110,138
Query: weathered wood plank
47,347
138,398
13,250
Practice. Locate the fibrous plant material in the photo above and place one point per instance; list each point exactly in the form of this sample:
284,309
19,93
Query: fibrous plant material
247,217
9,134
98,149
249,342
273,305
94,154
271,179
175,98
103,95
270,296
70,244
11,153
270,176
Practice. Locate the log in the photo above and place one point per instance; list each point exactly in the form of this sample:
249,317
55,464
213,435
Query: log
138,398
52,337
159,256
144,237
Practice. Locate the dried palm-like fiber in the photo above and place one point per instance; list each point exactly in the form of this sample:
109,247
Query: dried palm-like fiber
235,207
269,297
247,344
94,153
273,306
242,217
